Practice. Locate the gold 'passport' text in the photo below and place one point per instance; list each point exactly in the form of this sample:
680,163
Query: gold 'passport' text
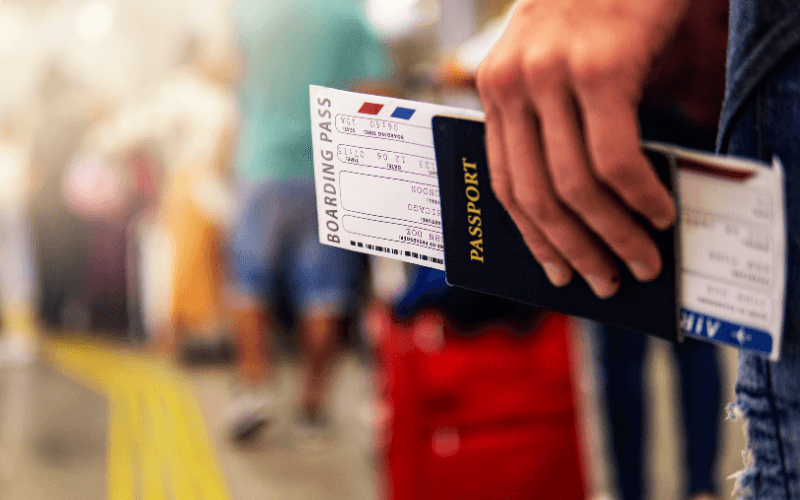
473,210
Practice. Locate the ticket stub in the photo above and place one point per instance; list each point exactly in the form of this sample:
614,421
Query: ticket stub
732,239
375,172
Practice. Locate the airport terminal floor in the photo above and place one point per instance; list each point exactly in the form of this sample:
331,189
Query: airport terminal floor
94,420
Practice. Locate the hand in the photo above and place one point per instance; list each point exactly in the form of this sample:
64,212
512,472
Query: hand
560,90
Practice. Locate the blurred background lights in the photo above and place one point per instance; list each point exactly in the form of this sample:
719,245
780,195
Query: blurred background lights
395,18
94,20
10,30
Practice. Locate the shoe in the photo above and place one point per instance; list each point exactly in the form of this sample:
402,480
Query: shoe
250,411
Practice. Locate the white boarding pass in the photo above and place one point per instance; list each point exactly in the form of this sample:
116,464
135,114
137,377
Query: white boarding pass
375,175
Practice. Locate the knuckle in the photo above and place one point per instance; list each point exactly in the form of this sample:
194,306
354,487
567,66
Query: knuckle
614,173
483,77
544,68
545,210
575,191
592,70
496,76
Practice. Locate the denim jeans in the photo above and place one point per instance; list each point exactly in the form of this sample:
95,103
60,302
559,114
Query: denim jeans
275,237
761,118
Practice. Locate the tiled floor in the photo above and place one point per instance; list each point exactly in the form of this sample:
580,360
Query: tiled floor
55,435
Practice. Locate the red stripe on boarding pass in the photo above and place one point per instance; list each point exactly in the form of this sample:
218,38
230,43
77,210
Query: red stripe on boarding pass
713,170
370,108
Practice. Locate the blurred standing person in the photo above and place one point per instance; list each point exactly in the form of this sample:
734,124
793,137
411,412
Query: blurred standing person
288,45
64,110
177,145
198,203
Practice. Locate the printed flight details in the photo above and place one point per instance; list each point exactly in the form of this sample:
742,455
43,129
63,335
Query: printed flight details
375,172
732,248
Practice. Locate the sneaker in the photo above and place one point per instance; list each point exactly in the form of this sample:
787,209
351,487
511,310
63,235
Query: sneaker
249,412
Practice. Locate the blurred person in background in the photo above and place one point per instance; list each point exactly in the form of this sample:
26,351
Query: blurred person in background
198,203
63,111
287,45
175,144
18,343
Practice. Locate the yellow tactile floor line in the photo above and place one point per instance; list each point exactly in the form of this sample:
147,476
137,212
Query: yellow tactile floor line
158,446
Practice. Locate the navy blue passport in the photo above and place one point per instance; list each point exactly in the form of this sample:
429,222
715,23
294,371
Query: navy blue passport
495,260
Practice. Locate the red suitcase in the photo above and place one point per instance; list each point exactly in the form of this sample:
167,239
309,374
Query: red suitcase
487,417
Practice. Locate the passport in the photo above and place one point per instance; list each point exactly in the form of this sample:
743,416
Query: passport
499,263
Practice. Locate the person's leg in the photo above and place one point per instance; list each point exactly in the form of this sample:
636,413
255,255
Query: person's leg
324,282
622,357
700,397
255,248
255,245
320,331
250,322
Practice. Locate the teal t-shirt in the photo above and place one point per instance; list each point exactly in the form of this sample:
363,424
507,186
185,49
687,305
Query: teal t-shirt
286,46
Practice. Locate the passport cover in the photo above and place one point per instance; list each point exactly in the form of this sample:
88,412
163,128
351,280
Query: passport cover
506,268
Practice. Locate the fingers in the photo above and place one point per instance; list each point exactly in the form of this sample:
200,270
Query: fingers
533,194
556,268
578,188
556,237
612,138
564,152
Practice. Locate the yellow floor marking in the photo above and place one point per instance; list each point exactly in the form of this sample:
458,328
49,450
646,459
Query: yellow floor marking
142,429
158,447
186,448
213,484
177,476
120,452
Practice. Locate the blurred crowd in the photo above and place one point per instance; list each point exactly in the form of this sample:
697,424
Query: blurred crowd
156,188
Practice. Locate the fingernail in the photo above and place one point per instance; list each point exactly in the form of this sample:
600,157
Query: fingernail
663,223
602,287
557,274
642,272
